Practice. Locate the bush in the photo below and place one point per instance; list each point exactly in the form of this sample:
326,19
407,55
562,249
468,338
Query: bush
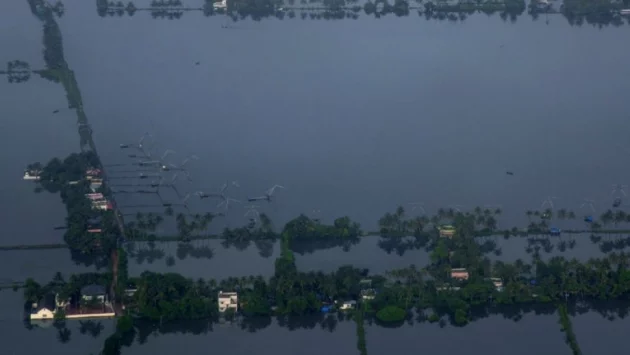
391,314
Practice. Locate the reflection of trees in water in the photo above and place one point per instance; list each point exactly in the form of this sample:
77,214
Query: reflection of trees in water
185,250
609,310
576,12
151,251
145,252
265,247
91,327
18,71
303,247
610,243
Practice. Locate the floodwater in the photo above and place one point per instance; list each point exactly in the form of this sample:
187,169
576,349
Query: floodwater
40,265
493,336
594,333
193,260
352,117
356,117
198,262
23,341
270,340
576,246
366,254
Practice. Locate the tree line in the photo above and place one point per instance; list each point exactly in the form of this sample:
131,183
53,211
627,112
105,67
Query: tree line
576,12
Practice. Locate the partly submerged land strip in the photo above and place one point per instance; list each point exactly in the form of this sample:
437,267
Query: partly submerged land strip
34,247
59,70
567,328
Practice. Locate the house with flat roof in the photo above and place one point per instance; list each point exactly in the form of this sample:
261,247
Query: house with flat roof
228,300
348,305
459,274
497,282
446,231
94,292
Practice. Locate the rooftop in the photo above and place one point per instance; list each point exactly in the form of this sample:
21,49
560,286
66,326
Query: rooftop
93,290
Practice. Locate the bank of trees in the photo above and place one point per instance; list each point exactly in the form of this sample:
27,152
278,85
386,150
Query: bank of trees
67,177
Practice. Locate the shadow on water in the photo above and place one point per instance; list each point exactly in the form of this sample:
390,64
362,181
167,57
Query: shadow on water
80,338
203,258
492,335
604,328
312,335
367,253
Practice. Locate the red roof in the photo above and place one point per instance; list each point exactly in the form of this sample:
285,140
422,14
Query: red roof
93,172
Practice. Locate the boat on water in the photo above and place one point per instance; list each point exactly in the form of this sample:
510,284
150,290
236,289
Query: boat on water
31,175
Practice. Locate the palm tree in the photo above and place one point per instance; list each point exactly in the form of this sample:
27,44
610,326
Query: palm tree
562,213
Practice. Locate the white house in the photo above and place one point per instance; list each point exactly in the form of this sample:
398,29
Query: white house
368,294
42,313
498,283
347,305
228,300
220,4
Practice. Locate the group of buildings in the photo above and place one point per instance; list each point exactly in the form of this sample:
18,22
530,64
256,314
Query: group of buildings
97,199
228,301
91,303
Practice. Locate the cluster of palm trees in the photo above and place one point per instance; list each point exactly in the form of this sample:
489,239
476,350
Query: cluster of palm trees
396,225
615,217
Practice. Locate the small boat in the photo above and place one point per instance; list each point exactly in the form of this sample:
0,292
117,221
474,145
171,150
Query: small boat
509,172
31,175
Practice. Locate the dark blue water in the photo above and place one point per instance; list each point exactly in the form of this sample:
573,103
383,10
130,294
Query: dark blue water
353,117
494,335
356,117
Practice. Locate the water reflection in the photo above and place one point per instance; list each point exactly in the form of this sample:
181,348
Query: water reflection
493,335
364,254
601,330
78,338
308,336
41,265
576,13
208,259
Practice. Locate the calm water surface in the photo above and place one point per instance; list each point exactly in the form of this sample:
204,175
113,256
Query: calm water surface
222,263
270,340
492,336
22,341
598,335
353,117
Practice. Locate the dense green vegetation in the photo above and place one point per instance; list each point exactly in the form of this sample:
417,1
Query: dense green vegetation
567,328
391,314
361,343
67,178
70,289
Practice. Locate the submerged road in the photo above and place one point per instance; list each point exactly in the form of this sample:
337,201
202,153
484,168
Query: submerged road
57,66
